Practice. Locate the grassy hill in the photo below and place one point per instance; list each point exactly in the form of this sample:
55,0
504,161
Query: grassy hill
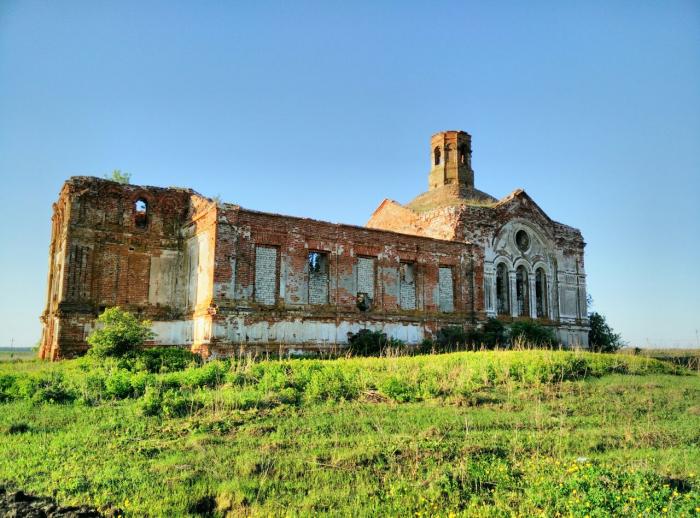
475,434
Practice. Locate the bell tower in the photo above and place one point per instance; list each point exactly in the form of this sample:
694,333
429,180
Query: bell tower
451,160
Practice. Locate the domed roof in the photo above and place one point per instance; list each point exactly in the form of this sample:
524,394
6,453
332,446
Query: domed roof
452,195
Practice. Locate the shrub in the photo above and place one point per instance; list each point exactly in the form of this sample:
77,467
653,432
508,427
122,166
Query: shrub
47,388
372,343
455,338
452,338
121,332
332,383
400,390
118,385
601,337
161,359
7,387
532,333
492,334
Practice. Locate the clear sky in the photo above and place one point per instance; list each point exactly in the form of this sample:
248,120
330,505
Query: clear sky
322,109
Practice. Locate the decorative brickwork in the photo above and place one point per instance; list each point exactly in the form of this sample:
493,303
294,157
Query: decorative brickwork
217,278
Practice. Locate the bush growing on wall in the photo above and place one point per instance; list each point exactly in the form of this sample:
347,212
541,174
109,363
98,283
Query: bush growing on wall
120,333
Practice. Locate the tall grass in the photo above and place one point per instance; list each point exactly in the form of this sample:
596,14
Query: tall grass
262,383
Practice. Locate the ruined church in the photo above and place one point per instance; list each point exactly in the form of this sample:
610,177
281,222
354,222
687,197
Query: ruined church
219,278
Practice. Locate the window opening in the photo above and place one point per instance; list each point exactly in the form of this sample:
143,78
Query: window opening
141,213
502,290
521,290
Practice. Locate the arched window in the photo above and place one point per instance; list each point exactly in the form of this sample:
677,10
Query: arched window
436,154
462,154
502,290
541,292
141,213
521,291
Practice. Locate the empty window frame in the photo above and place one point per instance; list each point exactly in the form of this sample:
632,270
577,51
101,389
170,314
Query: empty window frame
541,293
445,289
317,263
502,290
436,155
462,154
265,275
522,291
141,213
407,280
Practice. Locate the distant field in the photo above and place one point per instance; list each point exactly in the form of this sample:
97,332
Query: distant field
519,433
689,358
9,353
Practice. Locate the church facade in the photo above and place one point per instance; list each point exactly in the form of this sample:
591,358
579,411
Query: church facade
220,278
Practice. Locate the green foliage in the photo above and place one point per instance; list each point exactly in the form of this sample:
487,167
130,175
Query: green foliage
601,337
161,359
119,332
502,433
493,334
18,427
532,334
372,343
49,387
118,176
454,338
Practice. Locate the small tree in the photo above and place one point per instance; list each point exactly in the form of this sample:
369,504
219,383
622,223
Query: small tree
118,176
601,337
120,333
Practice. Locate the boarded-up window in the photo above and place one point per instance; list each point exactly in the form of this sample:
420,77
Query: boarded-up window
365,283
365,276
318,278
408,286
265,274
446,290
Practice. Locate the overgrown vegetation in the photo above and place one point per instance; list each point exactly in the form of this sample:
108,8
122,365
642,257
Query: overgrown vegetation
118,176
118,333
500,433
601,337
373,343
532,334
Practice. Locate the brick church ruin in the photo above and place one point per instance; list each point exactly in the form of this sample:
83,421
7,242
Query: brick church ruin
217,277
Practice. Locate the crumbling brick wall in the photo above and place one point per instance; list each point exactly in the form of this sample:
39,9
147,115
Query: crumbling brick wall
217,277
102,254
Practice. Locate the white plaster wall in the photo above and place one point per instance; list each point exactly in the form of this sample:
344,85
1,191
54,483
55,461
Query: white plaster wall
200,265
176,332
298,332
163,275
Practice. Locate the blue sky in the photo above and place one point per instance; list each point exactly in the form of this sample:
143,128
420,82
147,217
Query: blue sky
322,109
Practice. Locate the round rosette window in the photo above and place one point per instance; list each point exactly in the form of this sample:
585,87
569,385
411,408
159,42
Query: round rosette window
522,240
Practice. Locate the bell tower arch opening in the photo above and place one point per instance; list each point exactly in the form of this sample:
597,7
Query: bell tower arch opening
451,160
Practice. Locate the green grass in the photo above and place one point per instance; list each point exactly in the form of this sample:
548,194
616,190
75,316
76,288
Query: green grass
476,434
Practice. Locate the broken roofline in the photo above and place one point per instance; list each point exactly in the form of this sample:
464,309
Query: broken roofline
234,206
